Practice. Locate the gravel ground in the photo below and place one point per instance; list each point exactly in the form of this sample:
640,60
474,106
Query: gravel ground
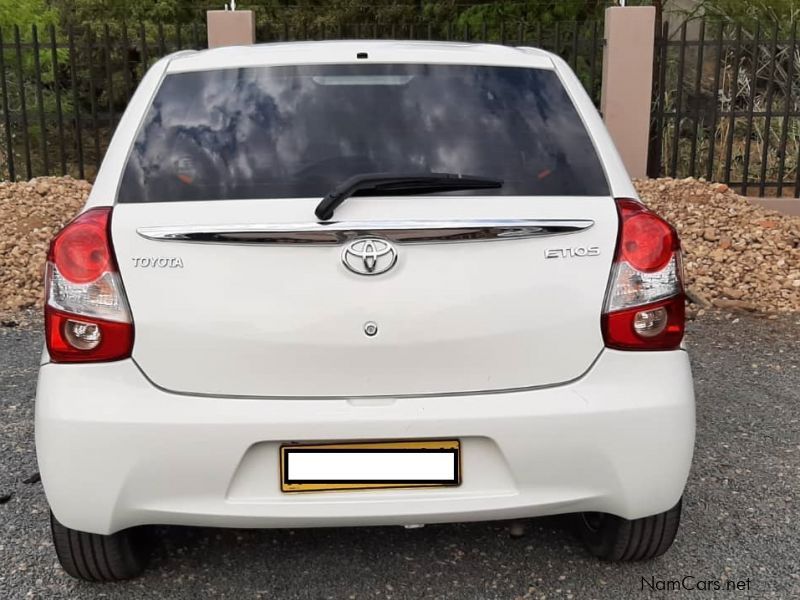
741,521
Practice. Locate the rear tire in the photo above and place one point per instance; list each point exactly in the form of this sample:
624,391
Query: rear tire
613,538
94,557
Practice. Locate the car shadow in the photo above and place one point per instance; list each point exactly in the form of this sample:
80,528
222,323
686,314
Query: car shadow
327,562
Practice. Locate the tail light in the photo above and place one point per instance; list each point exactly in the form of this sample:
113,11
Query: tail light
644,306
87,318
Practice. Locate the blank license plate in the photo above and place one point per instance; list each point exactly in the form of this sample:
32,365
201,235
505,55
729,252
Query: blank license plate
320,467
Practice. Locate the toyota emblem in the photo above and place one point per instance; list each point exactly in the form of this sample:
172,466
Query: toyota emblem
369,256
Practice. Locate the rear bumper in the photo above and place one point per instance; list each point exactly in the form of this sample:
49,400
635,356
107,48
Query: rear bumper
114,451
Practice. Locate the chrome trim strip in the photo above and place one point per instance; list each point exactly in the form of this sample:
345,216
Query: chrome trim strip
338,232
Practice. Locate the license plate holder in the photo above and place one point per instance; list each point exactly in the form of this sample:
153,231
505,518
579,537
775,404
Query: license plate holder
370,465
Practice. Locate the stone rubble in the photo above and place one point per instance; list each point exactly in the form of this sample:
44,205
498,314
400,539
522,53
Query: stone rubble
31,213
736,254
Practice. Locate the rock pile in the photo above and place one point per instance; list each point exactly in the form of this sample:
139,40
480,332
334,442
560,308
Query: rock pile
736,254
31,213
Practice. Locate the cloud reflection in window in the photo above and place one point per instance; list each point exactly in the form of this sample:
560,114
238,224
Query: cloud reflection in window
277,132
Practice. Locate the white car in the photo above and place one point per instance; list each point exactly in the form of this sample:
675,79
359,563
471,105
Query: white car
362,283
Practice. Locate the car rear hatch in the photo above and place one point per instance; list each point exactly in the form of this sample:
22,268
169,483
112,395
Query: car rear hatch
236,289
288,319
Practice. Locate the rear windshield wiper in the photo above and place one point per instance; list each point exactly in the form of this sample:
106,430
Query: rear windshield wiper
394,184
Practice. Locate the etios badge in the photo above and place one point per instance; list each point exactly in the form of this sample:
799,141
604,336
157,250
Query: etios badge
369,256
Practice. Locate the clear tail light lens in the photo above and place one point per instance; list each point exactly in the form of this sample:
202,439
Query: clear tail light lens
644,307
633,287
87,318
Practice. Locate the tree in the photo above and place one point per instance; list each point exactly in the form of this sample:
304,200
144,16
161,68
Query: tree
99,12
783,12
25,13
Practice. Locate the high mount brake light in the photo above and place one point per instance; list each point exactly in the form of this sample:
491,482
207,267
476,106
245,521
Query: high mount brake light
644,307
87,318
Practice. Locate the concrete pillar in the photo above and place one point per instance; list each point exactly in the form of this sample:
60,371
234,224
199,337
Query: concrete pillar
627,82
231,28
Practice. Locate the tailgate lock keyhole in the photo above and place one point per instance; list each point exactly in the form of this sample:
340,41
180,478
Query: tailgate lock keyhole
370,328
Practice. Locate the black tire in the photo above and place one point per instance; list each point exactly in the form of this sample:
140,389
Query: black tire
613,538
94,557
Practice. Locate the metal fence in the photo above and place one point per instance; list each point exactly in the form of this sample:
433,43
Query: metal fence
64,90
727,107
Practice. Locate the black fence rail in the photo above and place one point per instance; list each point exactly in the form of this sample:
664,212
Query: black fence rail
63,90
727,107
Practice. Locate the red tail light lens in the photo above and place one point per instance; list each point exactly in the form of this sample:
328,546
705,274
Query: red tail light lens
647,241
113,340
622,329
87,318
645,303
81,251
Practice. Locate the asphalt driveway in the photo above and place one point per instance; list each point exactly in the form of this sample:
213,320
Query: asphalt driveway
740,532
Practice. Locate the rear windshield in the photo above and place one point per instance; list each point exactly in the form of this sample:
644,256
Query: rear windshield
299,131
